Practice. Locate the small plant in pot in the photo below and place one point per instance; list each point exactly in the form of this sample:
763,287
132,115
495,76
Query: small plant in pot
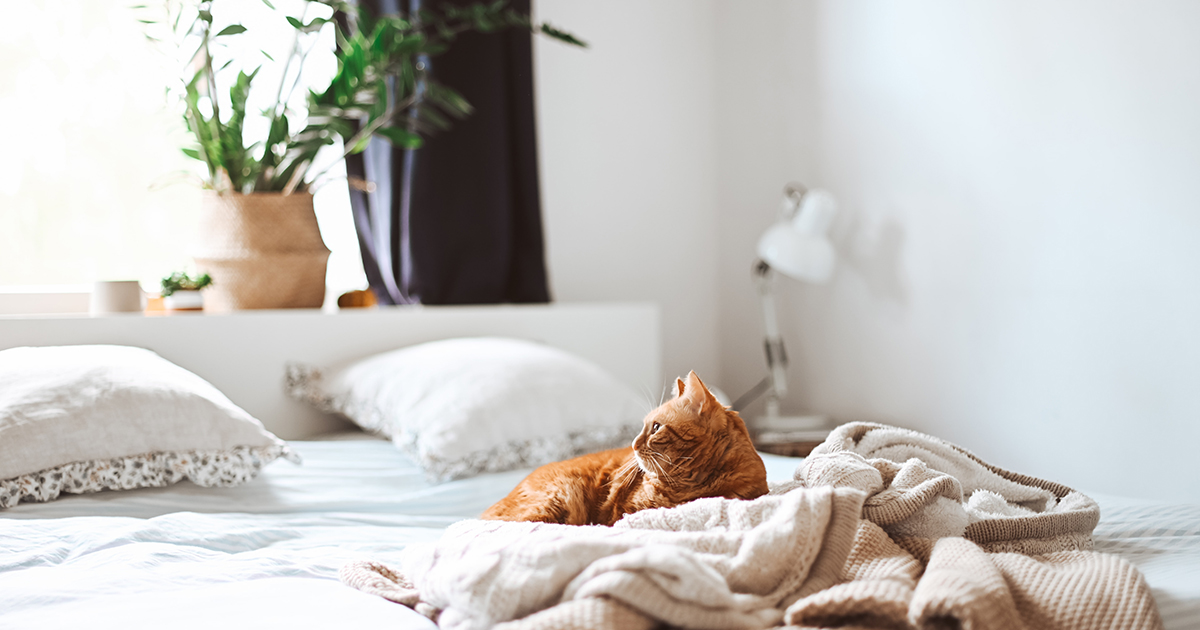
259,238
181,292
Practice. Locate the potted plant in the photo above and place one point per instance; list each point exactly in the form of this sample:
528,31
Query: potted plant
181,292
259,238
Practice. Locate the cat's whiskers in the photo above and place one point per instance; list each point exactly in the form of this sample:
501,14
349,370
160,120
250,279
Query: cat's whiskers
619,474
648,394
658,454
681,459
660,471
624,474
641,463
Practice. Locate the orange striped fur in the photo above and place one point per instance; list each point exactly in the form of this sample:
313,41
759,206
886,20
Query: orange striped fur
690,447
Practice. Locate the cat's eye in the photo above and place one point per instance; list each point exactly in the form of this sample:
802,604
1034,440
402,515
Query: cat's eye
654,428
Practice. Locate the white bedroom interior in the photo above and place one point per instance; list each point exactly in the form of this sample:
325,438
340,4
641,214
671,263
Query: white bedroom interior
1017,262
1014,254
1015,275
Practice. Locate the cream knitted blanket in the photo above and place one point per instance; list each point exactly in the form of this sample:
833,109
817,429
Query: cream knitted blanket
882,527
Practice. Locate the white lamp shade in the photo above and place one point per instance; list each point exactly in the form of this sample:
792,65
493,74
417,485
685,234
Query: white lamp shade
815,214
805,257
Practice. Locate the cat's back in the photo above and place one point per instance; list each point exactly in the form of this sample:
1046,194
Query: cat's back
568,492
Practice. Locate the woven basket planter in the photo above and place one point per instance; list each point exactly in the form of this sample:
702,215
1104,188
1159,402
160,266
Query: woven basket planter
263,250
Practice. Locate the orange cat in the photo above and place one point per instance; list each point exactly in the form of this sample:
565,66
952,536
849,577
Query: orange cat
690,447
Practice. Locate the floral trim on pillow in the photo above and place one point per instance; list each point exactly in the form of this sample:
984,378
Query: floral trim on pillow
526,454
151,470
303,382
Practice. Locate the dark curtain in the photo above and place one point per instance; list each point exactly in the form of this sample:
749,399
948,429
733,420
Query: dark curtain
458,221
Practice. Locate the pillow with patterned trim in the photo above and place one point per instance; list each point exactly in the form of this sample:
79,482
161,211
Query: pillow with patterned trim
81,419
465,406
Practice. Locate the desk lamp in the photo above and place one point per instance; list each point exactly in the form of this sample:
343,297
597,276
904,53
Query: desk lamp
795,246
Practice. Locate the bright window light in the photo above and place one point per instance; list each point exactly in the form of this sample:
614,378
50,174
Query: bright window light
91,141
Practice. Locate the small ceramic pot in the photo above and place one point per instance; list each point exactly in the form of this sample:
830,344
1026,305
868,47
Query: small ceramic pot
184,301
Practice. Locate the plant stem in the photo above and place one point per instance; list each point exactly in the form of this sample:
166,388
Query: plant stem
212,168
287,64
297,176
212,85
368,130
378,123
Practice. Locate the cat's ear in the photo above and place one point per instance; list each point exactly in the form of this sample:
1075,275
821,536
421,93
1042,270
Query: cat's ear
679,387
696,395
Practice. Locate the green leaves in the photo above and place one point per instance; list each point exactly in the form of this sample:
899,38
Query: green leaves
206,129
232,29
242,168
561,35
382,87
181,281
402,138
312,26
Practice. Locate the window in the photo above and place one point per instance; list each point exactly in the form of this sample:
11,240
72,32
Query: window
90,141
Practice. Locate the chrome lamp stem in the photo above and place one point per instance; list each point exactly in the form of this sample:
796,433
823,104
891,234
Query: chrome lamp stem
772,341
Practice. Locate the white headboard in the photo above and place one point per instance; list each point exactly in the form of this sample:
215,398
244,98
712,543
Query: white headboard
243,354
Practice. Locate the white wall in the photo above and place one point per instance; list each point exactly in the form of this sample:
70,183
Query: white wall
766,134
1020,270
628,164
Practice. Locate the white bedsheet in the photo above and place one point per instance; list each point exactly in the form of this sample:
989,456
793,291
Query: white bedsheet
191,570
358,476
262,555
1163,542
266,554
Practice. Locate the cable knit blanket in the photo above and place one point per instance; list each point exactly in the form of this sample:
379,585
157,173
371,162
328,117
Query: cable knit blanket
881,528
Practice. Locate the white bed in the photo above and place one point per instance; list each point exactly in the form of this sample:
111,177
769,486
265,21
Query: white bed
267,553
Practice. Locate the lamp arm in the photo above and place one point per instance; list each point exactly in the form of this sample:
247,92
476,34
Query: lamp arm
775,383
772,339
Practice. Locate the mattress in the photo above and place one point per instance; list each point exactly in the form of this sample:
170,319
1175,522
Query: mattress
266,554
1163,541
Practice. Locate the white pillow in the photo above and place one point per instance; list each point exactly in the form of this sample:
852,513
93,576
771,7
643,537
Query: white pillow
85,418
461,407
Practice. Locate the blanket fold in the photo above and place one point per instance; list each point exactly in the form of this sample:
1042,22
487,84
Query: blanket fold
882,528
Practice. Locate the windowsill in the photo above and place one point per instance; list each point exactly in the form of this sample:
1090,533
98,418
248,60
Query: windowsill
65,301
73,300
49,300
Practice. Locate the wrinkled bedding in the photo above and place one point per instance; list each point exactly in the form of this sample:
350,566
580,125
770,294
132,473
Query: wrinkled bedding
882,527
267,554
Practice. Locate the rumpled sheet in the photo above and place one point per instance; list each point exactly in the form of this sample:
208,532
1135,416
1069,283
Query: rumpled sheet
882,527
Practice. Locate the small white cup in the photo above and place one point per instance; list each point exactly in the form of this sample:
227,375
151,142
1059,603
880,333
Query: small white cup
116,296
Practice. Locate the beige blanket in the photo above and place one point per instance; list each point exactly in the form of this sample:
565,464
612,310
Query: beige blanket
882,527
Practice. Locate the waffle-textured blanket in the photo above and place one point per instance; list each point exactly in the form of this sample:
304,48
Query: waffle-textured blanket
882,527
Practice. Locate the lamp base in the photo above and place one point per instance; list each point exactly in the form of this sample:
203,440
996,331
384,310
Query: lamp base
790,424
